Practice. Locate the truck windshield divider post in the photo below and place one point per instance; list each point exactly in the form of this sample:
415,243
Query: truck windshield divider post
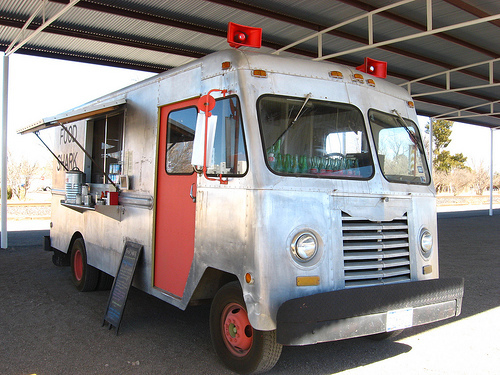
48,148
90,157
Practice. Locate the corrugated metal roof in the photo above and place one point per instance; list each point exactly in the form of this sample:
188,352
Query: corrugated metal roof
156,35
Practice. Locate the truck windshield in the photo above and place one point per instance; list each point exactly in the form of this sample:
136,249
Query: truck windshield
314,138
399,148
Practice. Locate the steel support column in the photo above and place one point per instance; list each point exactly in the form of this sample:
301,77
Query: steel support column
5,96
491,173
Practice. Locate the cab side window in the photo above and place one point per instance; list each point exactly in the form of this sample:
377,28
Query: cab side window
226,153
228,156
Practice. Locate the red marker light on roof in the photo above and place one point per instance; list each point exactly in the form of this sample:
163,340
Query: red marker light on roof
240,37
247,36
374,67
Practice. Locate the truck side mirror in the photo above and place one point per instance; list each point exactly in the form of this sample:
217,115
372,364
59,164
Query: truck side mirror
197,159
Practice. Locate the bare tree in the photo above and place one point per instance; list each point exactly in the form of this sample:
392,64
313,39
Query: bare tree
441,181
481,180
20,174
460,179
496,181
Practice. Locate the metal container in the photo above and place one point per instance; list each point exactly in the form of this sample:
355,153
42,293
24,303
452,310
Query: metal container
74,181
87,200
85,190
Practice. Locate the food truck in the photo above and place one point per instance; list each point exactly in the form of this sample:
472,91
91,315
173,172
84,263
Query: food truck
294,195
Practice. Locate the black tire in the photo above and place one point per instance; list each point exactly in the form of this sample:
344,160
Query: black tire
105,281
250,350
60,259
84,276
385,335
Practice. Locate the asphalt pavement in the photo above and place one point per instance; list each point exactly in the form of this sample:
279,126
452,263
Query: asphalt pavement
47,327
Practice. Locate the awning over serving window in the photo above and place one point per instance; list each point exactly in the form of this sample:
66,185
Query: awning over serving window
78,113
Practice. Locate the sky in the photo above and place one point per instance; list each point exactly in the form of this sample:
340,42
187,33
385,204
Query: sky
474,142
42,87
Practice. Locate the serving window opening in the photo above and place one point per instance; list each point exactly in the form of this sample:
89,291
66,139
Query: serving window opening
107,148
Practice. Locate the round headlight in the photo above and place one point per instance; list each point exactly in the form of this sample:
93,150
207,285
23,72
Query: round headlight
304,247
426,241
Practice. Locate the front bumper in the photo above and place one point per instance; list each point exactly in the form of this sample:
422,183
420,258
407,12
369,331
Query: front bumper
365,311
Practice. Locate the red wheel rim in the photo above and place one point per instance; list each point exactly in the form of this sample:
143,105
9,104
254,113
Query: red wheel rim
237,331
78,265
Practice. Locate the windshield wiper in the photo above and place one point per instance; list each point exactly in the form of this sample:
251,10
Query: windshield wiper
413,136
308,96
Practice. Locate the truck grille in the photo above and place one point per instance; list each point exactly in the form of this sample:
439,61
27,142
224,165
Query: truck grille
375,252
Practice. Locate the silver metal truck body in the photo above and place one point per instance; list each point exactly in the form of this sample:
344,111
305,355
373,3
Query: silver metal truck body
246,229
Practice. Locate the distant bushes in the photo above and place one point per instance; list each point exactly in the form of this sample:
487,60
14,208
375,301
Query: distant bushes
9,192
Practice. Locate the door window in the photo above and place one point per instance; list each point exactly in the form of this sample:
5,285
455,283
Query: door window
181,125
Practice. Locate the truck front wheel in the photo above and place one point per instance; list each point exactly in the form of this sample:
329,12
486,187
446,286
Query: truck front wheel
242,348
84,276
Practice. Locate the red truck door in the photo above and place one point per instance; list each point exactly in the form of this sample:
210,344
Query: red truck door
175,209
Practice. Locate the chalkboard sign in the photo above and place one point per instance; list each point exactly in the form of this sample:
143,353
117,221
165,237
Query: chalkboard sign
121,285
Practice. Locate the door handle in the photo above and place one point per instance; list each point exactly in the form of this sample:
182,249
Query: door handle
191,193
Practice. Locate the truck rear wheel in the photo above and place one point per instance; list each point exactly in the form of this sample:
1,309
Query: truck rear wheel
105,281
242,348
84,276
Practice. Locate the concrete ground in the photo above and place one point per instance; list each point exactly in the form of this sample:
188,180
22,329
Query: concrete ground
47,327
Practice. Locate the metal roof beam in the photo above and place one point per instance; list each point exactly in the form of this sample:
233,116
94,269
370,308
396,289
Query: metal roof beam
491,104
318,28
455,109
491,81
100,36
448,90
93,59
14,46
339,25
247,7
414,36
405,21
24,27
471,9
221,32
489,62
254,9
127,12
157,69
355,3
469,109
462,116
185,25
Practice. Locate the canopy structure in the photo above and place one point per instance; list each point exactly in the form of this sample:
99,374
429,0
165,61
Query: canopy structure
445,52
